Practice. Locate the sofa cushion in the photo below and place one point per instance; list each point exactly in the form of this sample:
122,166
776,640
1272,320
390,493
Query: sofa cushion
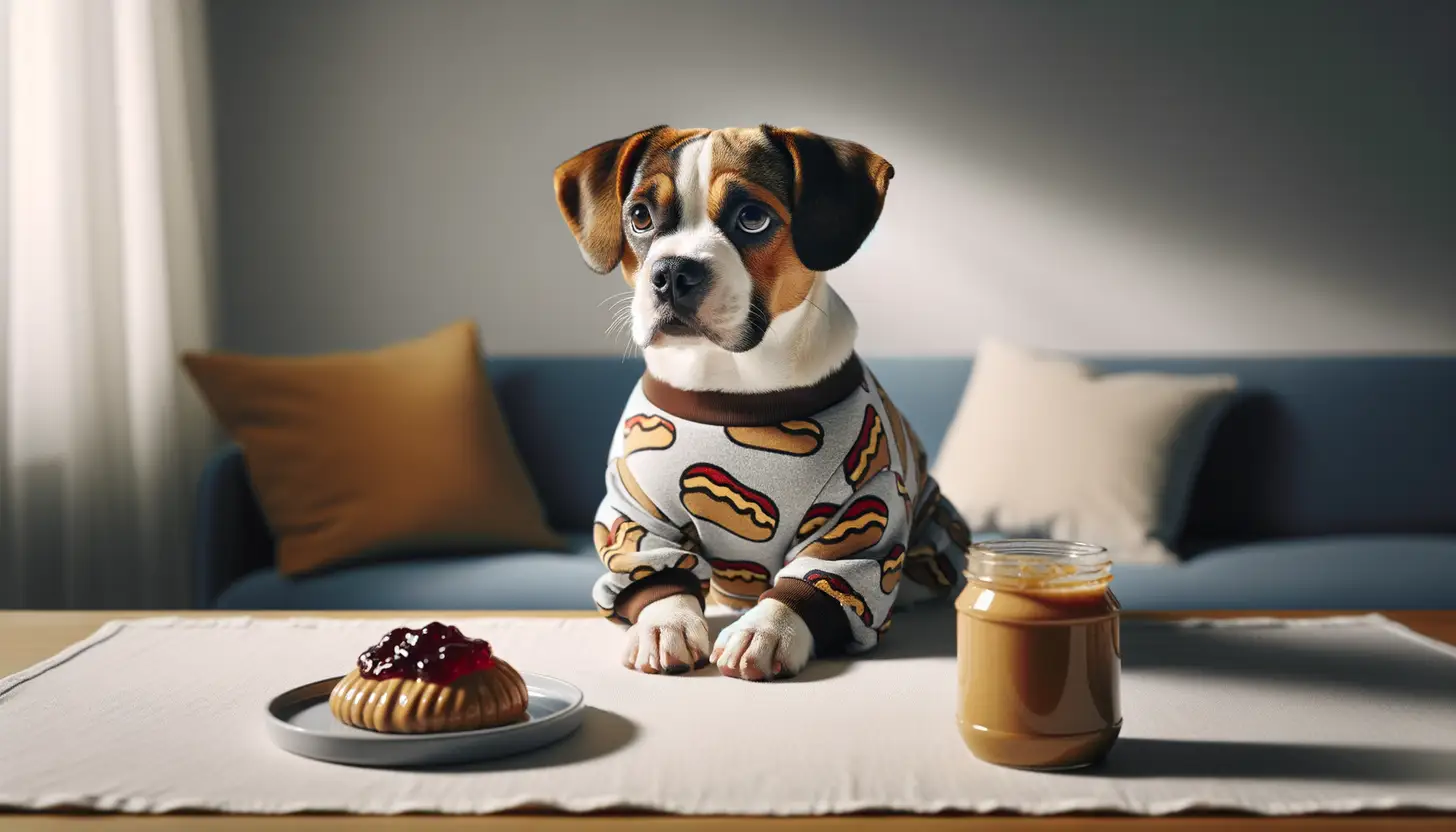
400,449
1042,446
531,580
1365,572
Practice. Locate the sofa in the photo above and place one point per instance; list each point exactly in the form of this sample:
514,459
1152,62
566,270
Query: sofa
1329,483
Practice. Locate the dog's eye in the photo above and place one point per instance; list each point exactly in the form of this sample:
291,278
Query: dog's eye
753,219
640,218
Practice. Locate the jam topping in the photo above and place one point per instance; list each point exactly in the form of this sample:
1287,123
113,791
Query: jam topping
436,653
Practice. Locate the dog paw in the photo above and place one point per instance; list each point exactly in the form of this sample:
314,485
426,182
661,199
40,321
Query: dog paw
670,636
769,641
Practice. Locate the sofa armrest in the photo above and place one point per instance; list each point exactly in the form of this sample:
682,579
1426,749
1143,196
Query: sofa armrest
232,538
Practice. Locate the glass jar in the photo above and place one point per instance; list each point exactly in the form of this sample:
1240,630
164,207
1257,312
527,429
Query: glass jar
1038,654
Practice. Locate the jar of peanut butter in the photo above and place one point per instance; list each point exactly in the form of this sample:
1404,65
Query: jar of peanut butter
1038,654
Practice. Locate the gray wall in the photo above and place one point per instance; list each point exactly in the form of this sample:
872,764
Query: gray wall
1110,177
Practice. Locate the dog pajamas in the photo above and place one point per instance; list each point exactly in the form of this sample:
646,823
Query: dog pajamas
818,497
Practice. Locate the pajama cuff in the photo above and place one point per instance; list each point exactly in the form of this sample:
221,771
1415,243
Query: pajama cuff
665,584
823,615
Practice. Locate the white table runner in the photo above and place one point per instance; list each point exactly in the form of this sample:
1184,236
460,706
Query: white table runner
1273,717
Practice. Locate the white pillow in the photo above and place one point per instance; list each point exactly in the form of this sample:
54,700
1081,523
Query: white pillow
1041,447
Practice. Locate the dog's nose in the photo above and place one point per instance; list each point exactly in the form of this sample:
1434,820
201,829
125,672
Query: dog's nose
680,281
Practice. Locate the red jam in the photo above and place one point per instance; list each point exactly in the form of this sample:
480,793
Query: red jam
436,653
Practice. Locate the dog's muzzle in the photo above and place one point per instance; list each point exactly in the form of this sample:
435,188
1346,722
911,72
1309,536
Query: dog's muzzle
679,284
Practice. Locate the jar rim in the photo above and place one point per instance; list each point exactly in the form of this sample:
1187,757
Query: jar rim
1039,564
1018,547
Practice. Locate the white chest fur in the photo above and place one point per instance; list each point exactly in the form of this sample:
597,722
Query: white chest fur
801,346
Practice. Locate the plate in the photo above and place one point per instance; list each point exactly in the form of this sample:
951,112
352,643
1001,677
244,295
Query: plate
299,721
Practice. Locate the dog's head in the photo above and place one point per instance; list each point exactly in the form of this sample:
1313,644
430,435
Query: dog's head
719,232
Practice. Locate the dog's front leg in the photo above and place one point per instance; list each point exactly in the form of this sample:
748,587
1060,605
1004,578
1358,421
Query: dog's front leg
769,641
670,636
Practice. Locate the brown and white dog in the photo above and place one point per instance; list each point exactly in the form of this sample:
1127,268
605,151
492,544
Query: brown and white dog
724,237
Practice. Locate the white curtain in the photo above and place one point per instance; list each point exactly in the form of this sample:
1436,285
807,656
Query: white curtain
105,258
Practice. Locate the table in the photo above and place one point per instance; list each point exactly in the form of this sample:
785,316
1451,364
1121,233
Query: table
29,637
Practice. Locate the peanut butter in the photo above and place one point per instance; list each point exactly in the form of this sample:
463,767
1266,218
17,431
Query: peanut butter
1039,655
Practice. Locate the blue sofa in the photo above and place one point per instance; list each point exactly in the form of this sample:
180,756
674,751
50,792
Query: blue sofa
1329,484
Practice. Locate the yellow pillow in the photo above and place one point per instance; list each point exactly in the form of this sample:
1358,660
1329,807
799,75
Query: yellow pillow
368,453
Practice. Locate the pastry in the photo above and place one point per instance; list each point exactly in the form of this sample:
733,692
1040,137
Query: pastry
429,680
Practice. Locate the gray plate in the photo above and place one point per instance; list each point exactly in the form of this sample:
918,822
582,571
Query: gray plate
300,721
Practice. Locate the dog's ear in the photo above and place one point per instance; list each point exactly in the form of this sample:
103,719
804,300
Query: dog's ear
839,189
590,187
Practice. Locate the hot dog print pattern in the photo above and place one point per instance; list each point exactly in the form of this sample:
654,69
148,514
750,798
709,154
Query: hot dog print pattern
930,567
712,494
634,489
798,437
739,578
840,590
904,494
859,527
891,568
800,504
618,543
645,432
623,537
870,453
814,519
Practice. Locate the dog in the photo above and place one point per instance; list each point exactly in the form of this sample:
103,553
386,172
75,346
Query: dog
759,466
